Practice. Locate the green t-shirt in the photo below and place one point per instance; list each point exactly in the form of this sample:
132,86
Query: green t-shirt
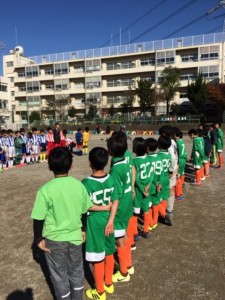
60,203
182,152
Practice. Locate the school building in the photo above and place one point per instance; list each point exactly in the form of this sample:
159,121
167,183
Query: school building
101,76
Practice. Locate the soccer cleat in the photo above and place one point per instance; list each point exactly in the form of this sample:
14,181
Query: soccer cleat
155,226
180,198
203,178
136,237
133,247
144,234
168,220
150,228
131,271
93,294
118,277
109,289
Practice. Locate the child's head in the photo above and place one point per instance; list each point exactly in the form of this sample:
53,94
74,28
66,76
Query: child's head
34,130
49,129
60,160
217,125
200,126
86,129
164,142
17,133
192,133
42,131
117,144
177,134
98,158
57,125
79,129
200,132
29,134
22,130
151,145
64,132
139,147
165,130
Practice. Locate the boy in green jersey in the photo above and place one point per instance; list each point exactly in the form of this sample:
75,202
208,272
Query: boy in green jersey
57,213
143,183
219,144
182,159
208,149
121,171
154,191
100,241
197,155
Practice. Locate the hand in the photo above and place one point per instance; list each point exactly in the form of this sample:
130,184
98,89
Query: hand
83,236
146,194
133,194
42,246
109,229
158,187
147,188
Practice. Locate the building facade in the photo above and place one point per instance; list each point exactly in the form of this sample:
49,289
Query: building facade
102,76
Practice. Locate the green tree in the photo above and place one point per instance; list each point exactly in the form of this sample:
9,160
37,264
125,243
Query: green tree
92,112
34,117
59,105
72,112
197,93
128,103
146,95
169,82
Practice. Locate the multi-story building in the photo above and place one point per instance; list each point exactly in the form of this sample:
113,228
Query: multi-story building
5,105
101,76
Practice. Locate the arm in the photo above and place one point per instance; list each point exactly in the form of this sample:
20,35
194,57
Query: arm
100,207
109,227
38,239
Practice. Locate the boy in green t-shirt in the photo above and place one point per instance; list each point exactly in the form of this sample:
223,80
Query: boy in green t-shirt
219,144
182,159
197,155
100,242
121,171
57,213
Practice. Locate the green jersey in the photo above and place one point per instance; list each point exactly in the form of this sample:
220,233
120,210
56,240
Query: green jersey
219,142
102,191
166,159
144,178
121,171
61,203
198,152
182,152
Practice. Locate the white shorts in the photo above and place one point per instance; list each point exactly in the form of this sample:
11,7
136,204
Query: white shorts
11,152
173,179
35,149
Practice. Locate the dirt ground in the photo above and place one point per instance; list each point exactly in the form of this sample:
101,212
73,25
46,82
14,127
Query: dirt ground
186,261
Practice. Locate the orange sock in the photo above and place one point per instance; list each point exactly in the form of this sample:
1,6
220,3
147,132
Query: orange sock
179,189
182,179
129,253
206,169
146,221
109,268
202,172
99,276
164,203
122,256
162,210
155,214
135,224
131,229
151,222
220,159
198,176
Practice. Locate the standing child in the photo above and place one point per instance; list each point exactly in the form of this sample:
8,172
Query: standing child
11,148
57,213
43,145
182,159
50,140
86,136
143,182
219,144
208,149
36,144
121,171
24,146
18,146
100,242
197,155
79,141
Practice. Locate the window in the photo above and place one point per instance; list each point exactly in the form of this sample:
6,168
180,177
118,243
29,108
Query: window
21,74
148,62
9,64
166,57
121,65
3,104
33,101
93,65
61,68
114,99
79,85
210,72
11,79
61,84
3,88
190,57
22,88
32,71
188,77
49,72
12,93
120,82
93,82
33,86
211,52
93,98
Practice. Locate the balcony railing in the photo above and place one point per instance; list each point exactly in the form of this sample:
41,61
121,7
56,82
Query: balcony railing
188,41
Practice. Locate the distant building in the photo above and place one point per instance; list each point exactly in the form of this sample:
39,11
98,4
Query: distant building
101,76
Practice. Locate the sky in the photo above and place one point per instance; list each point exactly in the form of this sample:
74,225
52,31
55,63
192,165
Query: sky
55,26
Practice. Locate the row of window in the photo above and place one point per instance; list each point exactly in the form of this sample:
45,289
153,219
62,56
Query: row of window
3,104
3,88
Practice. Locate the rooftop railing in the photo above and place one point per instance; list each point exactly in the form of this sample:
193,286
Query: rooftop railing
189,41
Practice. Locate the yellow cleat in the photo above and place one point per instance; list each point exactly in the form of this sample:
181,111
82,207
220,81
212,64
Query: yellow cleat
109,289
118,277
93,294
131,271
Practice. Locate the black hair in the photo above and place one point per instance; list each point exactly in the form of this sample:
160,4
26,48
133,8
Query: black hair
60,160
79,129
200,132
165,129
192,131
120,133
22,130
29,134
117,145
206,127
42,130
98,158
151,144
16,132
49,128
86,129
9,131
64,132
139,147
57,124
34,129
177,132
164,142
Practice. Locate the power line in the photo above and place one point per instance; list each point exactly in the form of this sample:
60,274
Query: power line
135,22
165,19
185,26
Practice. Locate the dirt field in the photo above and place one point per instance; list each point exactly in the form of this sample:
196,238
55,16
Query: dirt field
186,261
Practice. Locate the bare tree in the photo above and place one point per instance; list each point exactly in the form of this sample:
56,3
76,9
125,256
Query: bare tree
59,105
